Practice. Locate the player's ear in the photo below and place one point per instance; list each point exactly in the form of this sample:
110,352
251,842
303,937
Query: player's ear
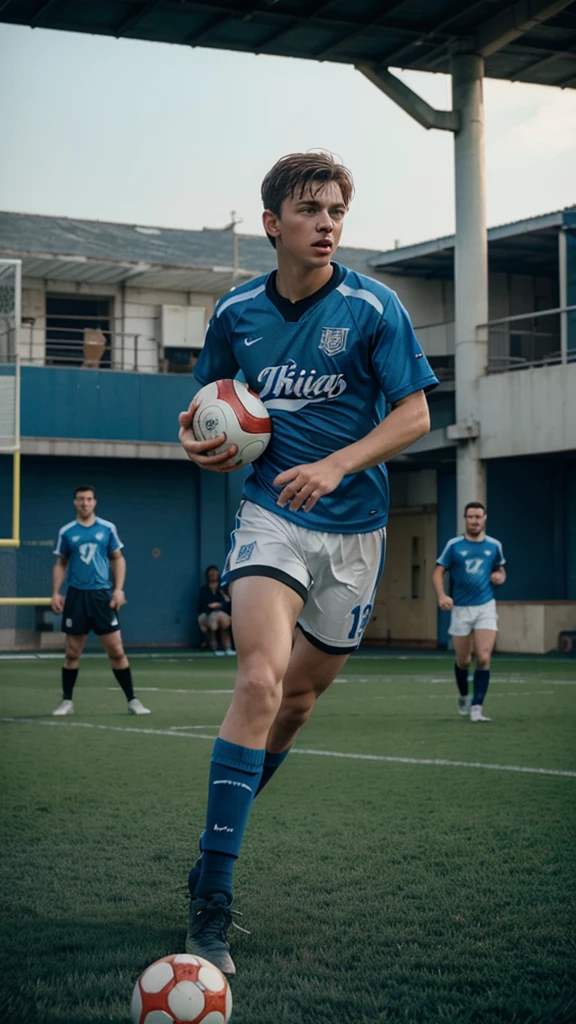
270,223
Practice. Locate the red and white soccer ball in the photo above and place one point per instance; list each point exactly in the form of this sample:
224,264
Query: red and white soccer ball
230,407
181,989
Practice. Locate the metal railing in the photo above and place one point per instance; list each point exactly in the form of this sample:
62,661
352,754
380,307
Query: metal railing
100,343
531,340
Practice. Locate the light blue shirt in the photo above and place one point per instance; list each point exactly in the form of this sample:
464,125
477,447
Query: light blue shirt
325,379
87,549
470,563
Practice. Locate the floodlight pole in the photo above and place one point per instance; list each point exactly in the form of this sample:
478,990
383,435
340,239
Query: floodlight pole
466,122
470,273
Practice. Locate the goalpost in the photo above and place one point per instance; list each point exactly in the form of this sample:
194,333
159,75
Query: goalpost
10,315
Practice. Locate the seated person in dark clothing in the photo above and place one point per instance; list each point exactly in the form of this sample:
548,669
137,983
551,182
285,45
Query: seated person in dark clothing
214,608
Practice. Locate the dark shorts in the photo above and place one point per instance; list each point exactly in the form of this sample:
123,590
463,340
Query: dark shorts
89,609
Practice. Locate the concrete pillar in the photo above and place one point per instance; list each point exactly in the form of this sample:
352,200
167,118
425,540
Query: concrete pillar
470,267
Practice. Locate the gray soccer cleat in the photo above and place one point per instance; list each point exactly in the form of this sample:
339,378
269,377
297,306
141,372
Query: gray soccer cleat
207,930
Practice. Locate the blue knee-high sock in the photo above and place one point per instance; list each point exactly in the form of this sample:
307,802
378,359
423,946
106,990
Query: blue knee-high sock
481,680
235,774
271,763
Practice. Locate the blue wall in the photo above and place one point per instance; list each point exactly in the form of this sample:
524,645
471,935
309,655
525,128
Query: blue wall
102,404
168,505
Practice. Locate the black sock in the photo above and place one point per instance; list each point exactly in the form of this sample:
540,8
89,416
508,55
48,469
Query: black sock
69,677
481,680
124,677
461,680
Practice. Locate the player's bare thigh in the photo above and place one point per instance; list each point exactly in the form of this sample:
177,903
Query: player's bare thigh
74,648
112,644
463,649
484,641
263,617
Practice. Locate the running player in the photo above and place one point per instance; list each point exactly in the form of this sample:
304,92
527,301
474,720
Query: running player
476,565
325,348
88,549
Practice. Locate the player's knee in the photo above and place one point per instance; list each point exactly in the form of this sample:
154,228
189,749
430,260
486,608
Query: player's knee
258,687
483,660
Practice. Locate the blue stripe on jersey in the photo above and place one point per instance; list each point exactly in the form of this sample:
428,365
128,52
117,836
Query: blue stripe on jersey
470,563
325,380
88,550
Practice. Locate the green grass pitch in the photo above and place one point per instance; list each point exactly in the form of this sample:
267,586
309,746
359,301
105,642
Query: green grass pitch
404,866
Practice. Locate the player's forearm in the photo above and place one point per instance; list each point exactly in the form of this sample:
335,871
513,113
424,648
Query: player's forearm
58,577
409,421
118,566
438,582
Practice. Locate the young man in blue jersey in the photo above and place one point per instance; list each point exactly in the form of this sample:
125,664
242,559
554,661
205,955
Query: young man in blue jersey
88,550
325,348
476,565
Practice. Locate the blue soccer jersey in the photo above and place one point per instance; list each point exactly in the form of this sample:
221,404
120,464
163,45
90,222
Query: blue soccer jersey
324,368
87,549
470,563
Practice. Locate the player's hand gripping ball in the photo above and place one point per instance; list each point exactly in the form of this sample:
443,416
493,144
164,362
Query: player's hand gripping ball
181,989
229,407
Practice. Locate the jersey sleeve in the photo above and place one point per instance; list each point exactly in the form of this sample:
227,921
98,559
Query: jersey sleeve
498,556
114,542
216,360
62,544
400,364
445,559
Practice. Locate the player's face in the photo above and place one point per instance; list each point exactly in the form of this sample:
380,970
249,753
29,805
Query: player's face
309,226
475,520
85,503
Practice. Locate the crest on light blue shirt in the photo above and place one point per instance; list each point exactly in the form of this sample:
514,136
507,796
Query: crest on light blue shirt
333,340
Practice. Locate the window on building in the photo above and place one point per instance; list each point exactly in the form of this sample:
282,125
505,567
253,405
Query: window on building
77,331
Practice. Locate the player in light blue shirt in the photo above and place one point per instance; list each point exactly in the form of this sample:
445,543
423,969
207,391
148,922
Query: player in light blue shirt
476,565
327,349
88,552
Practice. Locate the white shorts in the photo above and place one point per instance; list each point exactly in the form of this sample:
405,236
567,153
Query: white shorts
465,619
336,574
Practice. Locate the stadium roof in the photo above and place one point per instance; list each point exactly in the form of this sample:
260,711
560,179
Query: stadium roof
525,41
522,247
99,252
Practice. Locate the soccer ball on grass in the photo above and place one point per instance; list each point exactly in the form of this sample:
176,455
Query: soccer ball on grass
229,407
181,989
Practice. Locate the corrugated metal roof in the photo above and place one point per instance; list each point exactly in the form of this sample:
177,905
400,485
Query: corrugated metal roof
529,41
98,251
528,246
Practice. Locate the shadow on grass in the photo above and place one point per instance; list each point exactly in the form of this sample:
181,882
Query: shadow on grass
72,972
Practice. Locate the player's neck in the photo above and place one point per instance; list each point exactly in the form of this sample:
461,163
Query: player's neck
479,538
87,522
295,282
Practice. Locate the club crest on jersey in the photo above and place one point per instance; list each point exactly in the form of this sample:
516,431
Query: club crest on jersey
333,340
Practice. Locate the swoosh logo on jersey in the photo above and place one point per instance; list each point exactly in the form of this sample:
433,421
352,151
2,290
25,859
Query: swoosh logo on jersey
251,341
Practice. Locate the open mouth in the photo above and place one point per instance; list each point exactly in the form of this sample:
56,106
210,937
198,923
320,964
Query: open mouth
323,246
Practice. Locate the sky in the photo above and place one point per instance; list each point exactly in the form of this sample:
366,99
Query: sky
170,136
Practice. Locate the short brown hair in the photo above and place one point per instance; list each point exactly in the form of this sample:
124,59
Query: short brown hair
294,173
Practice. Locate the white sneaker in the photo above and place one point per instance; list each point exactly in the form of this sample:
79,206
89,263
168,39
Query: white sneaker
230,652
65,708
476,714
135,707
219,654
464,705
